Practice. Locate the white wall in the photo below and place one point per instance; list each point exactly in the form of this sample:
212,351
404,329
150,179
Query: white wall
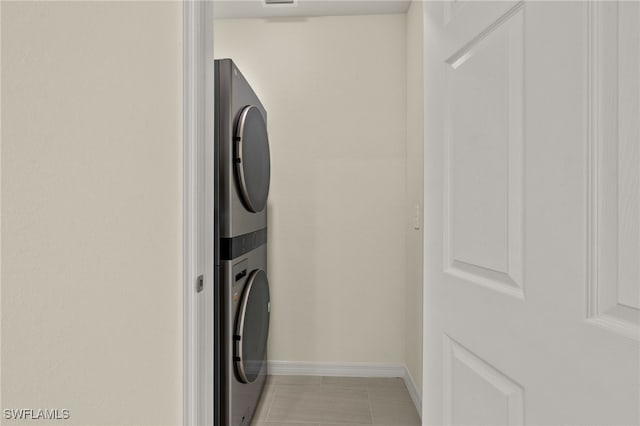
91,210
334,89
415,193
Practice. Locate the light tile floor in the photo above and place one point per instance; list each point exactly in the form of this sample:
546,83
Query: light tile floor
324,401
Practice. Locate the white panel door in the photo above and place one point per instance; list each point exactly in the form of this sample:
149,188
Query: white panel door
532,213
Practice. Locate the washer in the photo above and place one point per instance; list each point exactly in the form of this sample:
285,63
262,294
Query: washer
246,330
244,167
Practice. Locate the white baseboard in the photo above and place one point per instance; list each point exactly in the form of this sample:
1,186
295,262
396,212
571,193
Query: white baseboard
413,391
355,369
295,368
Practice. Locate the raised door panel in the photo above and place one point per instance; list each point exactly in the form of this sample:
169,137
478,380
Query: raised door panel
476,393
628,154
484,157
614,280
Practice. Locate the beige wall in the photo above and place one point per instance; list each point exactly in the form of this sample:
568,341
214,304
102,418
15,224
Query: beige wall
415,192
334,89
91,210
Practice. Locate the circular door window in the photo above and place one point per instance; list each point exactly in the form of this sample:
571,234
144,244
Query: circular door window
252,162
252,327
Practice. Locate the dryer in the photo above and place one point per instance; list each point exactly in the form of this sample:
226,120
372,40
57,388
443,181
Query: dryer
244,159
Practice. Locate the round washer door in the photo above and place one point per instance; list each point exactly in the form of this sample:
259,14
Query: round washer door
252,160
252,327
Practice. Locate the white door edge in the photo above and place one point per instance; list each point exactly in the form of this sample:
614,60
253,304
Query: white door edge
198,205
425,235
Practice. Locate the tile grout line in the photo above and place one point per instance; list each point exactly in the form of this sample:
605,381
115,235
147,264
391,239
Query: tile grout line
370,405
273,398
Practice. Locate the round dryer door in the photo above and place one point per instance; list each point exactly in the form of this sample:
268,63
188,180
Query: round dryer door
252,327
252,162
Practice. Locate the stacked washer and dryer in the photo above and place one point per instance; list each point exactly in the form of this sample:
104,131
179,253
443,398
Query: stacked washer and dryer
242,288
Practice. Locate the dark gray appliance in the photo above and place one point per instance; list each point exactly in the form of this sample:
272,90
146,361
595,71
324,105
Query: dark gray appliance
244,163
242,288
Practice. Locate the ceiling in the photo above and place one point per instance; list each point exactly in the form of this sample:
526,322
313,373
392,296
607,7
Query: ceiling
227,9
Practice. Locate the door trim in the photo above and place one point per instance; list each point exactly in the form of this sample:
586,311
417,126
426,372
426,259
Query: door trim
198,212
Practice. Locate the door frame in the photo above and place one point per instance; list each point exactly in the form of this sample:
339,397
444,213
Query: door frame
198,212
